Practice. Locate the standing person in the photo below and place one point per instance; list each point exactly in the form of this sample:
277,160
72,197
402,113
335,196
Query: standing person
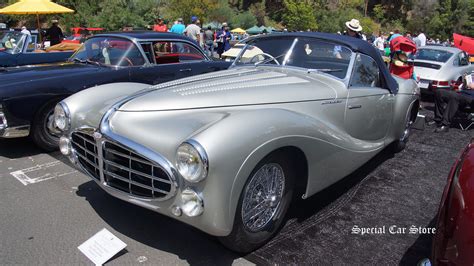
54,33
422,38
160,26
178,27
379,42
354,29
25,31
209,41
193,31
223,38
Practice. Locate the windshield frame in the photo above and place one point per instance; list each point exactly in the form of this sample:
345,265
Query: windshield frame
133,41
20,40
248,42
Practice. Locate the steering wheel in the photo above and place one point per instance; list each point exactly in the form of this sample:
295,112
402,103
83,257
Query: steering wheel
264,54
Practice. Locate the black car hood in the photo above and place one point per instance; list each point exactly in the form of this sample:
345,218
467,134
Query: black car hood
22,74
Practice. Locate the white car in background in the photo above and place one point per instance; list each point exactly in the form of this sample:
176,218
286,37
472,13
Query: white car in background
441,67
233,52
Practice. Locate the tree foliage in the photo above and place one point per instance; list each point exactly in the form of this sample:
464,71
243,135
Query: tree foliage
437,18
299,15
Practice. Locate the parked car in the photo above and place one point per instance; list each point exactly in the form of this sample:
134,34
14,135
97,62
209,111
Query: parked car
453,243
226,152
28,94
15,50
441,67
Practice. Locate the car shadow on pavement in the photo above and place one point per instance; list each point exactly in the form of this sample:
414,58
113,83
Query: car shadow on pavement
156,230
18,147
304,209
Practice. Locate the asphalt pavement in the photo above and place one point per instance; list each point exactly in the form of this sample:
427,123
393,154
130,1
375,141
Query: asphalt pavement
48,209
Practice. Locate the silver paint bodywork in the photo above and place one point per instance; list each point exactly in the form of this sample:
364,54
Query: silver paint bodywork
449,71
241,115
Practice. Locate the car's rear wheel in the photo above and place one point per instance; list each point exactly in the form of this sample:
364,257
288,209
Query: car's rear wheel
44,132
263,204
400,144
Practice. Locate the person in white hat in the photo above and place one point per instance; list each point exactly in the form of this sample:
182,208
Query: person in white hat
354,28
25,31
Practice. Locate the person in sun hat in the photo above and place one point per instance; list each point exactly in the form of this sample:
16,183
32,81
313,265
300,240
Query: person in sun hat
354,28
54,33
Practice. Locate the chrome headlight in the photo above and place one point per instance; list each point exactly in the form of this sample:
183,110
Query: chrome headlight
191,161
62,118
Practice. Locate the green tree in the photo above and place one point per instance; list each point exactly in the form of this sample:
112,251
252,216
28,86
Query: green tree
244,20
298,15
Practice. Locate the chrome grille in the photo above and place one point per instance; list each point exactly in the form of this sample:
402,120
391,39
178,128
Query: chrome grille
122,168
132,173
85,148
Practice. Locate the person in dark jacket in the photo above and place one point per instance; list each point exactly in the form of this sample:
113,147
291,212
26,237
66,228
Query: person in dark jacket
54,33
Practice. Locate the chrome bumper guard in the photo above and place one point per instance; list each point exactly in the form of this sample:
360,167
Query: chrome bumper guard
12,132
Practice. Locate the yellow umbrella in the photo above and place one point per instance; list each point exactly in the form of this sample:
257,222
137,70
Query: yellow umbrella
35,7
238,30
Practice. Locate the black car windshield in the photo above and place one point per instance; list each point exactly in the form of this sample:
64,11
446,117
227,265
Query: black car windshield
309,53
12,42
433,55
109,51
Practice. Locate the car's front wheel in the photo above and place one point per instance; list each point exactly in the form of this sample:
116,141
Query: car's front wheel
44,132
263,204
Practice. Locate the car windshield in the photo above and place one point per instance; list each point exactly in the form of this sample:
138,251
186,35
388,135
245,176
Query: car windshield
433,55
305,52
12,42
109,51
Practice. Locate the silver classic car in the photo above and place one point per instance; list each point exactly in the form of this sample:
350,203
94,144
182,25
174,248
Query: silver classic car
226,152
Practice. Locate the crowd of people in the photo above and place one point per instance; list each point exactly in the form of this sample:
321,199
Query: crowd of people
212,41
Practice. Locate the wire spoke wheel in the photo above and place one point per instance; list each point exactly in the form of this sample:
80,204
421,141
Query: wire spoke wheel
263,196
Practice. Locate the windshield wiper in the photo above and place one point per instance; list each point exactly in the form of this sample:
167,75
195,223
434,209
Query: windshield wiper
93,62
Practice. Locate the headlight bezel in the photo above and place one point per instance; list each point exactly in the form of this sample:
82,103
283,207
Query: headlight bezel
203,158
67,116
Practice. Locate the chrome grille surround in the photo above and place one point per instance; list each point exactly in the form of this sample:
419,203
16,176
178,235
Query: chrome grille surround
121,167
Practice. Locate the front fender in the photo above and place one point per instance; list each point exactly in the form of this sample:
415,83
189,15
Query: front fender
238,142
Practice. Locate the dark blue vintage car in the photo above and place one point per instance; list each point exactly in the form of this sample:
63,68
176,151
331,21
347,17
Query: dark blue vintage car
28,94
17,49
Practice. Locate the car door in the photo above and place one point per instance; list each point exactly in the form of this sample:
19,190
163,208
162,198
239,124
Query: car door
169,60
369,106
464,66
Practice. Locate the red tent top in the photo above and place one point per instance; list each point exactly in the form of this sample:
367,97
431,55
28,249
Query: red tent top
464,43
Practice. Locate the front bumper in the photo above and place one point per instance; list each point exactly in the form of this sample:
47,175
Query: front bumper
7,131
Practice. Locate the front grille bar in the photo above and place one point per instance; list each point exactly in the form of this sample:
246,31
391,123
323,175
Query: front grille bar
136,172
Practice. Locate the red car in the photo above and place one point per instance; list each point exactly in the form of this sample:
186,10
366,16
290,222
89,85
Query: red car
454,240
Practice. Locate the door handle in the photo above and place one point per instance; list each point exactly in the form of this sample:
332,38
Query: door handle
185,70
354,106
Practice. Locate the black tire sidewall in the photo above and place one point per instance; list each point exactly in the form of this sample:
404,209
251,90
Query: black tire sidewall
244,241
39,135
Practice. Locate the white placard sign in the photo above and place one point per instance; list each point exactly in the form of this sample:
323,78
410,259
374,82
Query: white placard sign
101,247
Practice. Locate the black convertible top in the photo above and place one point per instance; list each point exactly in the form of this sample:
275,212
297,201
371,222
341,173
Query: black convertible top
356,45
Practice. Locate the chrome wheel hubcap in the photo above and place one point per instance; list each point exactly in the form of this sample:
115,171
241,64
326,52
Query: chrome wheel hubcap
262,196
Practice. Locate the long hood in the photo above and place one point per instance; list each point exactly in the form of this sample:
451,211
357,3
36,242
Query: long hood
237,87
15,75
